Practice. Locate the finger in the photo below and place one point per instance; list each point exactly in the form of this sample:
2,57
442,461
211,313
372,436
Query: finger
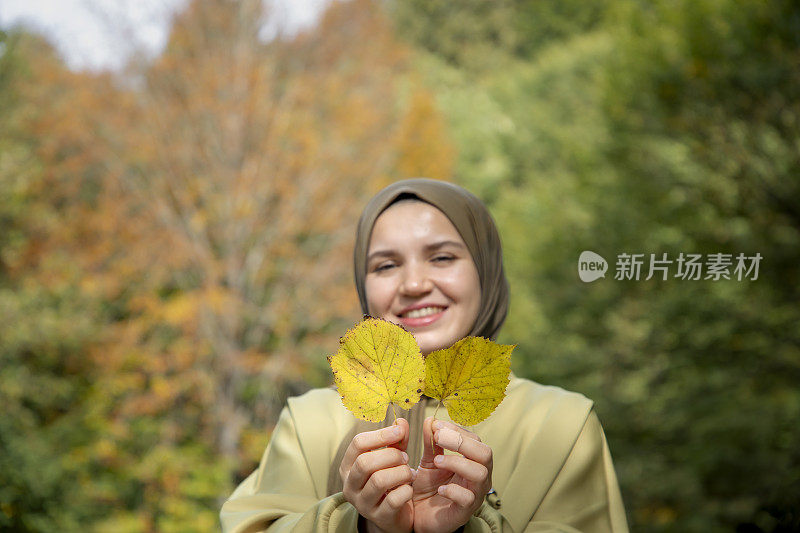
429,449
458,494
440,424
372,440
383,481
468,447
395,499
369,462
466,468
403,444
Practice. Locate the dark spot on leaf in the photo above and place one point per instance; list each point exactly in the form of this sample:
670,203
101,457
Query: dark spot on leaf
419,390
456,394
407,400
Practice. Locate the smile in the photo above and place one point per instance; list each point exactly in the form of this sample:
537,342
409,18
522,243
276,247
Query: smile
423,312
421,318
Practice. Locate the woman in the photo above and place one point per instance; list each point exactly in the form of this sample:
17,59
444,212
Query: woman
428,256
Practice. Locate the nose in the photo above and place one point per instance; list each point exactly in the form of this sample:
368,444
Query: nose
416,281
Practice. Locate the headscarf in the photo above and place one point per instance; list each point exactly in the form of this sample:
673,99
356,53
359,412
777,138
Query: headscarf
476,227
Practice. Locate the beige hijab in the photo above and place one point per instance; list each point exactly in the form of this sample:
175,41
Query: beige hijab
476,226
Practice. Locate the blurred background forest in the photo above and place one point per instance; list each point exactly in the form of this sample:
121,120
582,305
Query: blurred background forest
175,240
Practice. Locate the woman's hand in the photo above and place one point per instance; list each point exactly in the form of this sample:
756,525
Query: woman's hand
449,488
377,478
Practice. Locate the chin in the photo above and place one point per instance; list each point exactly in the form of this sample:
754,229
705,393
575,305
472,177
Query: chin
428,348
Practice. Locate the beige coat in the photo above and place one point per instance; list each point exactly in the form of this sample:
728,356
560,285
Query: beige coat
552,468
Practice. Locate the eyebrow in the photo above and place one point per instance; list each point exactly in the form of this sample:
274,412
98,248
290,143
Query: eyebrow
428,248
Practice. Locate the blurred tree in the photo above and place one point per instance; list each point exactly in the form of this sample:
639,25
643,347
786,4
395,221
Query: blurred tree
178,253
46,322
244,158
713,123
237,168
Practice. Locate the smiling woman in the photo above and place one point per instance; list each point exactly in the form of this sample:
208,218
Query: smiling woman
428,257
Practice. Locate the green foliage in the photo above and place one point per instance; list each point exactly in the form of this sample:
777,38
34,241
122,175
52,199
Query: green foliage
476,34
45,379
661,127
470,34
43,390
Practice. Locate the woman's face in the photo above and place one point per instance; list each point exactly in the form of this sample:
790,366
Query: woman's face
421,275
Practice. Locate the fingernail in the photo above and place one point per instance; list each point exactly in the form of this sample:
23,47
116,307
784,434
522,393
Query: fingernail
439,459
405,457
437,425
396,431
413,474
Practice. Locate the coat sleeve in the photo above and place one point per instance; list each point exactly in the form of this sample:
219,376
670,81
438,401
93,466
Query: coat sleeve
281,496
487,519
585,496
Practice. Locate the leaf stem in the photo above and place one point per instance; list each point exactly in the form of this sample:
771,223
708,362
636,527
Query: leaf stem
433,444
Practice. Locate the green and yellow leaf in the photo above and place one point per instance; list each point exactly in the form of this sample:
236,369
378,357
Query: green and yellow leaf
469,378
378,363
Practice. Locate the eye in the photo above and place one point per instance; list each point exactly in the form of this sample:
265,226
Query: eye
443,258
383,266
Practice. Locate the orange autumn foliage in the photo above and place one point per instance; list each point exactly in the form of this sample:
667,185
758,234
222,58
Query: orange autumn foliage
206,201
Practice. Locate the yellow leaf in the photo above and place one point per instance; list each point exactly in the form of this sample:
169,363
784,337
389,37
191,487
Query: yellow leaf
378,363
470,378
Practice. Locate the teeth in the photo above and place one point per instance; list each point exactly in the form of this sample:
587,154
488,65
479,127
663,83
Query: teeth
425,311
